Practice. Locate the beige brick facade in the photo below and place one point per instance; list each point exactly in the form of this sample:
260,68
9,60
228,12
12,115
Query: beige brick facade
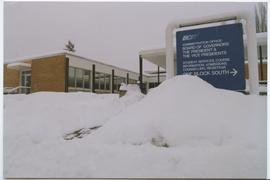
11,77
48,74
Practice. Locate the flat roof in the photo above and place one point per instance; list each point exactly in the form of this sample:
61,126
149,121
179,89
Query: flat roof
58,53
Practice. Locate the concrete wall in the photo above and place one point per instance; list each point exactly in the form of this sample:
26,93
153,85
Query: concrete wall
48,74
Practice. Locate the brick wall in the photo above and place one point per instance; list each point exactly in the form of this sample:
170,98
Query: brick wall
11,77
48,74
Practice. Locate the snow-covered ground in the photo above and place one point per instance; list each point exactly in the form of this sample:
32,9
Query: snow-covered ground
183,128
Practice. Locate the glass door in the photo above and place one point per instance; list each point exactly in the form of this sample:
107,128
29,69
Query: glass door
26,81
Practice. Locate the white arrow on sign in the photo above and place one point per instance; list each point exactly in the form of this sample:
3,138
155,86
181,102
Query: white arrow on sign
234,72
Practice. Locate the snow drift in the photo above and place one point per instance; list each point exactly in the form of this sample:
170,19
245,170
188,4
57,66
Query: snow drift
183,128
188,110
133,93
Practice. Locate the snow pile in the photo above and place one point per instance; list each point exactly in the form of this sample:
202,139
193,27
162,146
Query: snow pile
46,116
187,110
130,87
133,93
183,128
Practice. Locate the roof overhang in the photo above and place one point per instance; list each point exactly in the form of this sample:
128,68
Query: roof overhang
19,66
155,56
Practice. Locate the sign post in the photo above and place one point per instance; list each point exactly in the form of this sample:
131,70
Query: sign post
247,16
215,54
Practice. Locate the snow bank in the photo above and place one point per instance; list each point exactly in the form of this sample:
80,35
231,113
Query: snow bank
187,110
183,128
51,115
45,116
133,93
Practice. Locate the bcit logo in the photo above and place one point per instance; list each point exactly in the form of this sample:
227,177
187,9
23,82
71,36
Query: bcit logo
189,37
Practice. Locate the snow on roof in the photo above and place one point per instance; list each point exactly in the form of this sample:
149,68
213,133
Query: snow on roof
34,56
19,66
57,53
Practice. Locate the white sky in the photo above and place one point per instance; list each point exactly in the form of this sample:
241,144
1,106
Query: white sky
113,33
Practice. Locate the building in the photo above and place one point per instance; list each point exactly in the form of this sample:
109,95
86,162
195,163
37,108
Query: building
68,72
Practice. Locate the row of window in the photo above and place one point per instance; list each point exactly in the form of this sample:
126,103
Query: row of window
80,79
132,81
102,81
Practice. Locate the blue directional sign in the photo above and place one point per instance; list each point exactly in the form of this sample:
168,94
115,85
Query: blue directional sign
215,54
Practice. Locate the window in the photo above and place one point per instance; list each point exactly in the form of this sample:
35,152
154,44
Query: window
101,81
71,77
86,79
115,83
79,79
119,81
25,81
97,80
107,82
132,81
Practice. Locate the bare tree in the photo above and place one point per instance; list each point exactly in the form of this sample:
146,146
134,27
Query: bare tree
70,46
261,16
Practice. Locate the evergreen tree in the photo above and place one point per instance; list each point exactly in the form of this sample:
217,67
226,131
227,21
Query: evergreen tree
70,46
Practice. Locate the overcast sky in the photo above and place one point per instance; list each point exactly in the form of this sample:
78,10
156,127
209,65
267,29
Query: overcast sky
113,33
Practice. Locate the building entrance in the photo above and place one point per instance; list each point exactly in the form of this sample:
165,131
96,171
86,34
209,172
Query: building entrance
25,81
